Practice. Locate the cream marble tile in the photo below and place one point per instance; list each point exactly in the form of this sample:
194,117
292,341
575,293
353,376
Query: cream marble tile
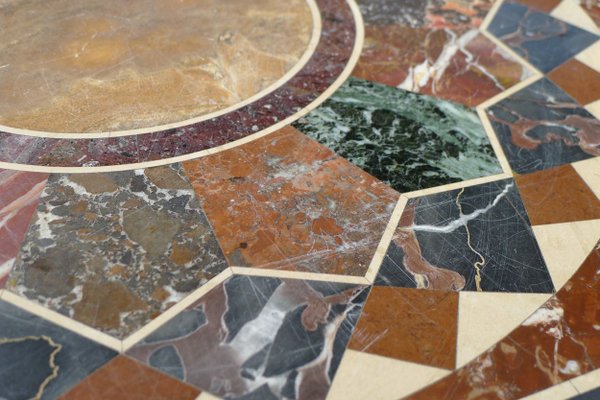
562,391
367,376
589,170
594,107
591,56
565,246
587,382
484,318
570,11
207,396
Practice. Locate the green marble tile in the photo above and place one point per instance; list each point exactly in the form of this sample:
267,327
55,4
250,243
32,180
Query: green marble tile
407,140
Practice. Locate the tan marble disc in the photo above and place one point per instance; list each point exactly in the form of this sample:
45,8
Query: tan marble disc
107,65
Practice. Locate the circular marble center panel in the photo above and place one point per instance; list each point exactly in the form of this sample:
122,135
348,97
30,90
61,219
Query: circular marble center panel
105,65
120,86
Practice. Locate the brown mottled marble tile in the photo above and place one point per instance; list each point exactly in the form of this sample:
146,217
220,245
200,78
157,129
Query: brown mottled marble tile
578,80
409,324
287,202
114,250
557,195
558,342
123,378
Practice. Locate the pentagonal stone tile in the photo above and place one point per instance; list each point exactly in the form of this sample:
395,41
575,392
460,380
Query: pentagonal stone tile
257,336
408,140
477,238
114,250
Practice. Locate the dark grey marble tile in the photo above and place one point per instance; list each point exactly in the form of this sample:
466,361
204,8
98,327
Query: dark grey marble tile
38,358
541,127
259,338
544,41
476,239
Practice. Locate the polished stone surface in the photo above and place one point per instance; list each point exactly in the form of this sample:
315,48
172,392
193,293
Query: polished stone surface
115,250
478,238
542,127
425,225
271,338
531,34
407,140
103,66
40,359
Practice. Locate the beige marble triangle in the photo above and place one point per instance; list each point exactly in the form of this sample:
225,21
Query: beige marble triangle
561,391
594,108
589,170
207,396
591,56
565,246
570,11
367,376
484,318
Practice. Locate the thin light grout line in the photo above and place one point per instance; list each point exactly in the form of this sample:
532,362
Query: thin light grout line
533,69
458,185
494,141
358,44
311,46
386,239
312,276
509,92
458,313
490,15
169,314
62,321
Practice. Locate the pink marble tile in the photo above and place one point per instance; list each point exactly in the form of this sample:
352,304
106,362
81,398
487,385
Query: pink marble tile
19,195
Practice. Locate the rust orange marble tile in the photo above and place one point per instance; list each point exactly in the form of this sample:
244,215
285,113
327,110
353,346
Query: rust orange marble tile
287,202
409,324
123,378
558,342
578,80
557,195
540,5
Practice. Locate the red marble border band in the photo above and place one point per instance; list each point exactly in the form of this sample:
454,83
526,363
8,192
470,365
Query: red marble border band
327,63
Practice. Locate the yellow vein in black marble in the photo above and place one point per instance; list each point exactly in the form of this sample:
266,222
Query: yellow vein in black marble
478,264
51,362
